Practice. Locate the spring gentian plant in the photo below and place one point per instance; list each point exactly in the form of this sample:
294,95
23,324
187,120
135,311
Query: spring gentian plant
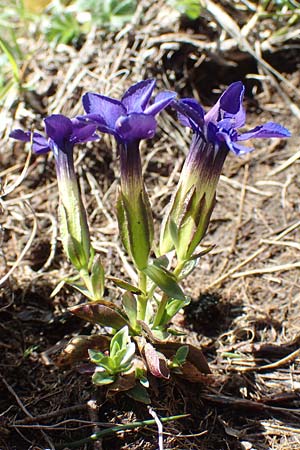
62,134
148,308
215,134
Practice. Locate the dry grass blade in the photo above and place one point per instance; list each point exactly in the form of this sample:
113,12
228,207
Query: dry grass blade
231,27
282,362
279,268
25,249
12,186
285,165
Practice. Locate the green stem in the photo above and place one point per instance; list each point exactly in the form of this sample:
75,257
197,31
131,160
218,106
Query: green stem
179,267
123,427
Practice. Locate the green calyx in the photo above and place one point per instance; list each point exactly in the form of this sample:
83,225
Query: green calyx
74,229
136,227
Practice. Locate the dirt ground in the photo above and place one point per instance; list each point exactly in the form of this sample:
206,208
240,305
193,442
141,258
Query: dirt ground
246,302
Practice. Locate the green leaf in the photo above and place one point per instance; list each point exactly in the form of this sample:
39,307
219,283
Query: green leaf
12,60
202,252
162,261
102,378
130,305
95,356
181,354
172,308
101,313
119,341
165,280
191,8
140,375
82,289
139,394
102,360
59,286
129,354
64,28
125,285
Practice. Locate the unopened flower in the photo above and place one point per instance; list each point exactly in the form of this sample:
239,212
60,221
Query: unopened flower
61,136
214,135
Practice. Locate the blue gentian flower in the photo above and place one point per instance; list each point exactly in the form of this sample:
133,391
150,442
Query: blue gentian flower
215,133
220,125
62,134
131,118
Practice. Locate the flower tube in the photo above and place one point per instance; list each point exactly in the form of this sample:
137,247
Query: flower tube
214,135
62,134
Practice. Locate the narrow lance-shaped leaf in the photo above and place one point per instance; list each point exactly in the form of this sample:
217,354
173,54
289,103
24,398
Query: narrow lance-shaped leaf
130,305
165,280
125,285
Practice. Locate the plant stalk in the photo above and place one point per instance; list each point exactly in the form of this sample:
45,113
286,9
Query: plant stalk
123,427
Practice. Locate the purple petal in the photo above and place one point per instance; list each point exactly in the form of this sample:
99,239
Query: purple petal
20,135
231,100
236,148
190,113
138,96
108,108
135,127
40,144
211,132
83,132
225,124
161,101
99,121
230,103
240,149
59,129
268,130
